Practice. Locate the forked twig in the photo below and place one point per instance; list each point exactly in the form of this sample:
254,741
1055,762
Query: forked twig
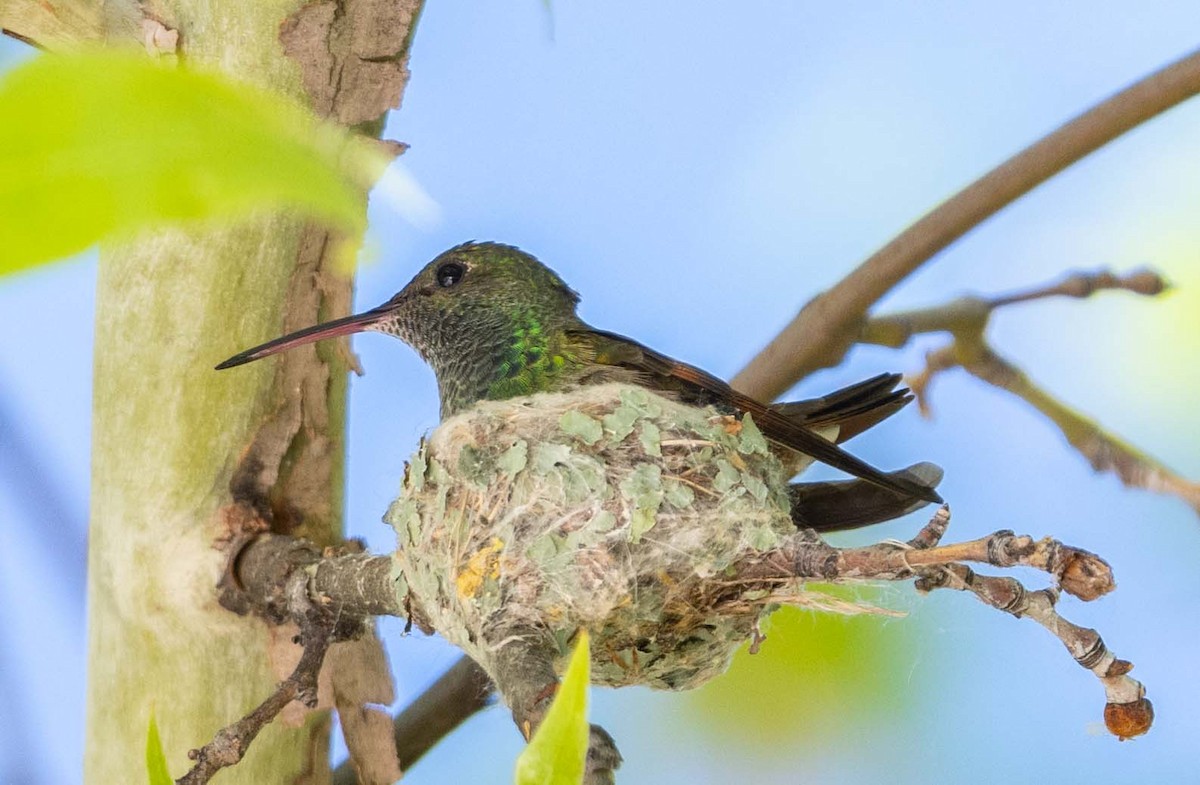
966,320
1127,711
229,744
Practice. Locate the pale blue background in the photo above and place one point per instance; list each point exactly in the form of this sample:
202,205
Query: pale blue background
697,171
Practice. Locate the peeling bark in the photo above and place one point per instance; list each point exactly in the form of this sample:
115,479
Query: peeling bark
353,55
60,24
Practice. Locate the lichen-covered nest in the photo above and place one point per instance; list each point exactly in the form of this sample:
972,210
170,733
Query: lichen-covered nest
608,508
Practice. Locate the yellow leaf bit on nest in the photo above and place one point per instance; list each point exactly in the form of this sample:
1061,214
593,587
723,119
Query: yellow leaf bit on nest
484,563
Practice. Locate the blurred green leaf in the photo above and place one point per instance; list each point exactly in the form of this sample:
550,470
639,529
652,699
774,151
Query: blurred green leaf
156,761
558,750
98,144
814,676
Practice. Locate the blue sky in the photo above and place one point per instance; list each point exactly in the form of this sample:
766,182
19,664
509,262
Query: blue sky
697,171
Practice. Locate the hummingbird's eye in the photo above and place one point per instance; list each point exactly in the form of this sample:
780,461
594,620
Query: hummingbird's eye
450,274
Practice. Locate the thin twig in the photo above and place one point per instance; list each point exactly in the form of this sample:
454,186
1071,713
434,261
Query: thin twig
230,743
804,556
1078,572
1127,712
13,34
1105,452
966,319
827,325
969,315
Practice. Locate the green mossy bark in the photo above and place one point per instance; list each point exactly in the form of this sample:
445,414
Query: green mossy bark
167,431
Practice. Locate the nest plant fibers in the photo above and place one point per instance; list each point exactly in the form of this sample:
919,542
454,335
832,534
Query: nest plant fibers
608,508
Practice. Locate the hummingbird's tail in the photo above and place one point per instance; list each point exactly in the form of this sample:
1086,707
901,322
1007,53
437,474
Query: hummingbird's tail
851,504
852,409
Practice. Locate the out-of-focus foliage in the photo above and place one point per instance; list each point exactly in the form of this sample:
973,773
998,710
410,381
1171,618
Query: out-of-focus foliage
156,761
807,672
98,144
558,750
1157,342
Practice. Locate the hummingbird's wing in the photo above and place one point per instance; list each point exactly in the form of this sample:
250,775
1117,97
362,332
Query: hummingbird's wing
699,387
849,504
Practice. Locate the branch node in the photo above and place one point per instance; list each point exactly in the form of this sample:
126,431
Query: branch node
1080,573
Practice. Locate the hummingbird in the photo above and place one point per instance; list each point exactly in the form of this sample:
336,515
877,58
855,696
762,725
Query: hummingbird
494,323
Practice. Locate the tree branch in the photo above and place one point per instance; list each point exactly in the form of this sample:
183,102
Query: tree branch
1127,711
349,585
966,319
970,315
827,326
331,596
24,39
283,579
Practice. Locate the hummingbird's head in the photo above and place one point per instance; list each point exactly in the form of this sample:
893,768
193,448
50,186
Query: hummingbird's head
477,283
462,305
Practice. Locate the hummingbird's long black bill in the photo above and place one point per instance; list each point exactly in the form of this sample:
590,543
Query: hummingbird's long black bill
344,326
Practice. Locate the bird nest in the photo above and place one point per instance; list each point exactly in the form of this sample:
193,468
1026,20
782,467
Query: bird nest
608,508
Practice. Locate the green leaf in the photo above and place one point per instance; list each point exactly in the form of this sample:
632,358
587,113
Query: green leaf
678,495
156,761
558,750
727,476
100,144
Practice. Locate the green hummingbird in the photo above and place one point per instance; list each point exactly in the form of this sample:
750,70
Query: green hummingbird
496,323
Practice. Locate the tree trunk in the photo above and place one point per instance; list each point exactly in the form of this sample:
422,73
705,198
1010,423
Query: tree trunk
167,431
170,434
